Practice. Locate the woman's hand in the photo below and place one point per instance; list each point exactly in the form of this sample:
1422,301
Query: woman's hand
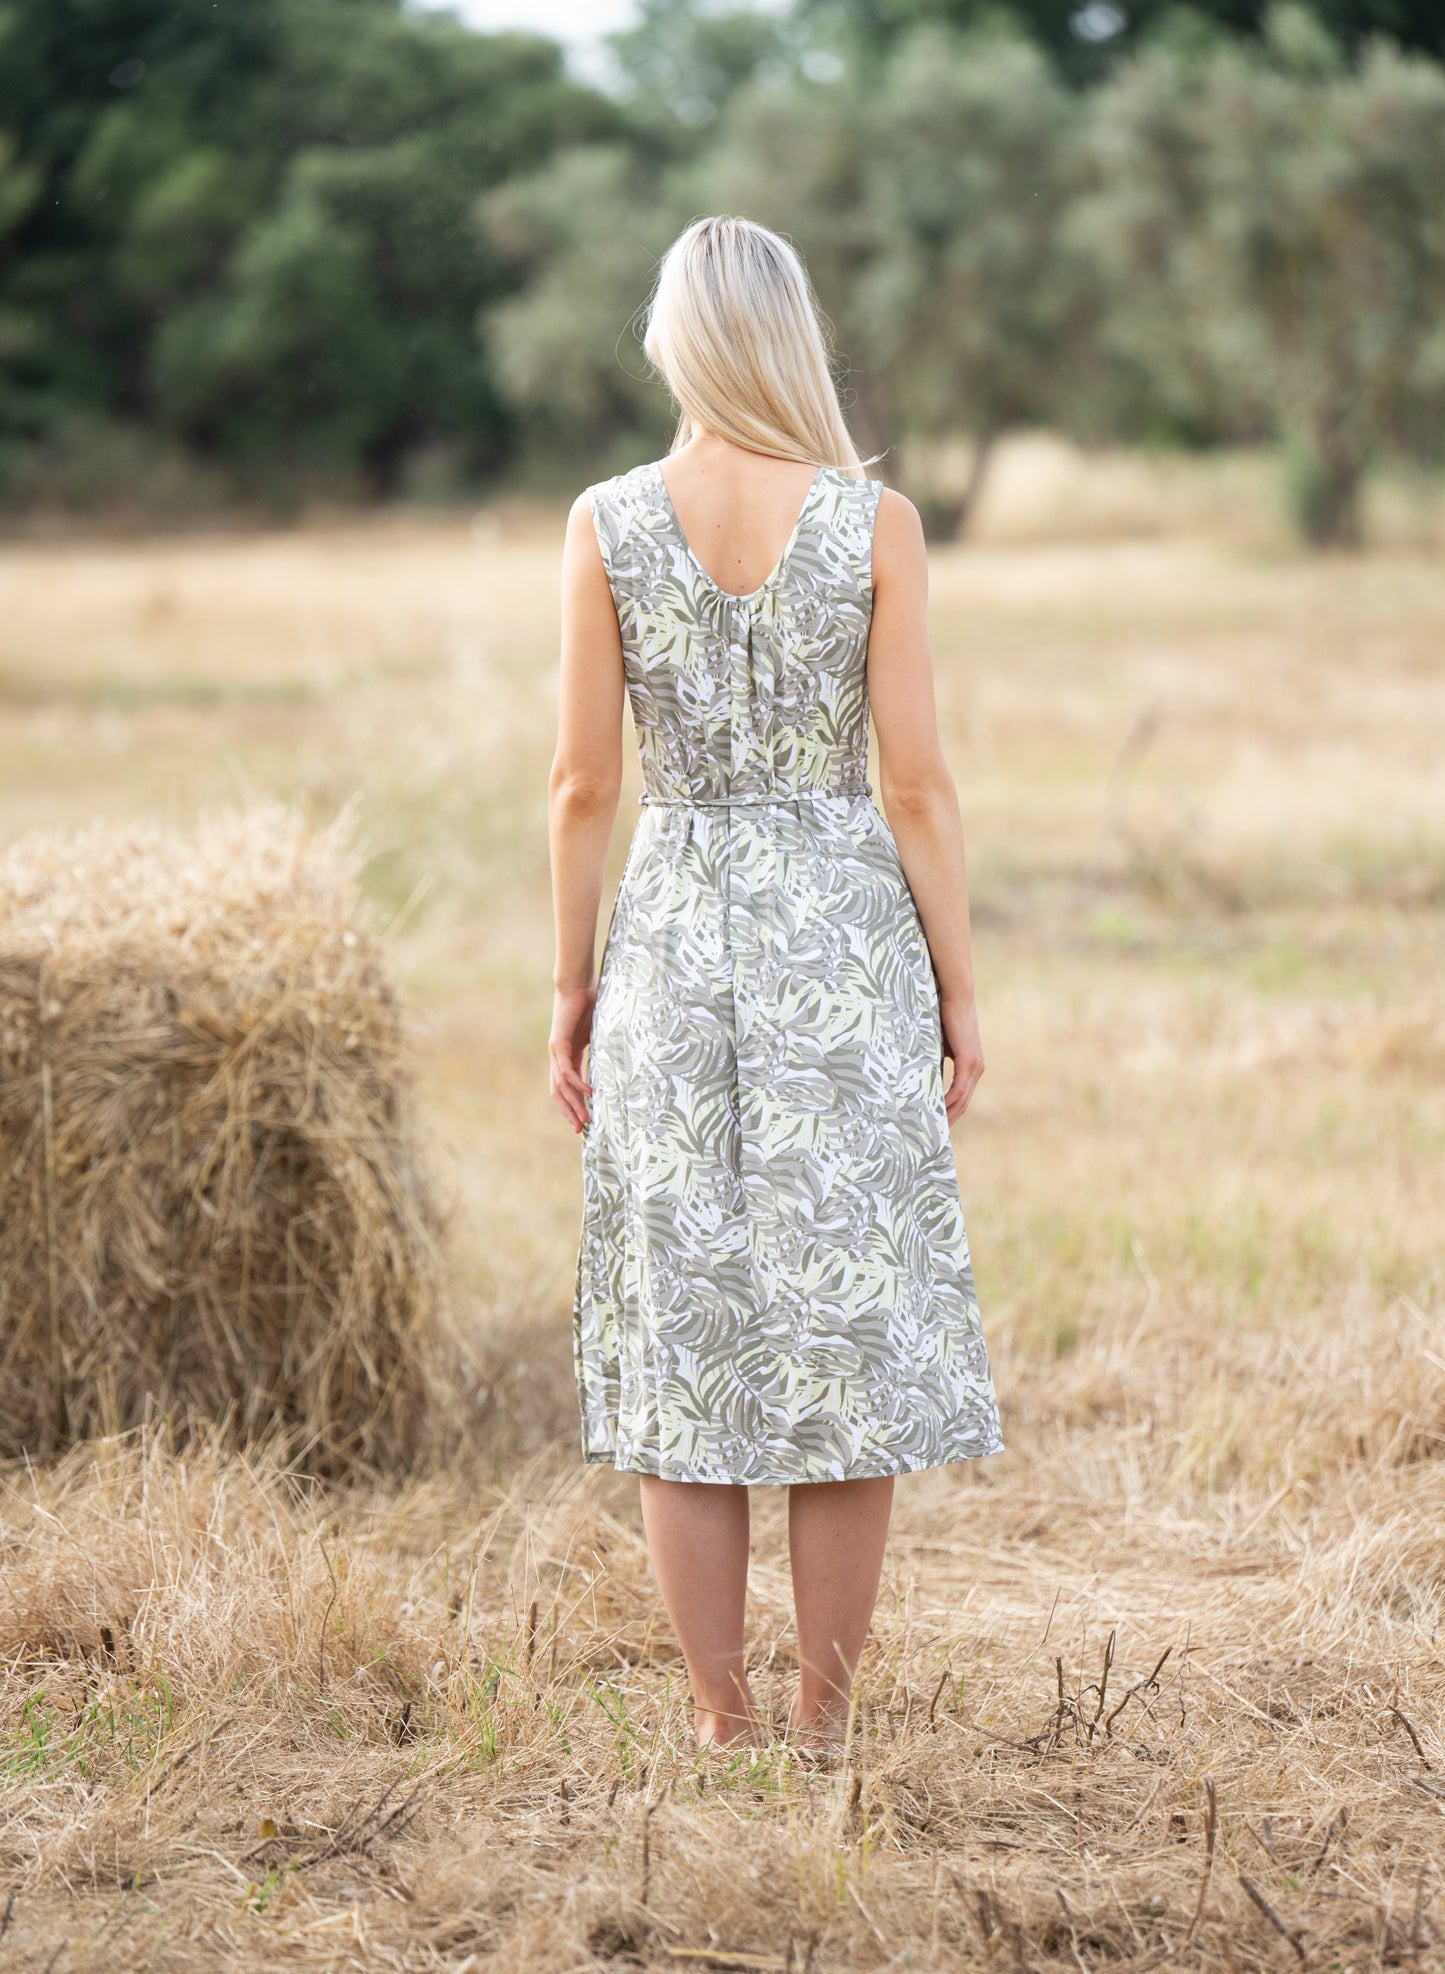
962,1044
571,1031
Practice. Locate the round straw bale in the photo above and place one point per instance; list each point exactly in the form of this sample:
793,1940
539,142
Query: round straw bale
212,1207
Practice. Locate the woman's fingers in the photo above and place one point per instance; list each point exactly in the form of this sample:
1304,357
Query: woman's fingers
961,1046
571,1032
575,1115
570,1090
961,1086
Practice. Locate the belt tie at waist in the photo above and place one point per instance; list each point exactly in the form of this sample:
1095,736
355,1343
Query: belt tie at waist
771,800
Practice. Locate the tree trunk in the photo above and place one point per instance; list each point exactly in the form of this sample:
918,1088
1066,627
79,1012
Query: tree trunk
1325,477
946,518
978,467
869,423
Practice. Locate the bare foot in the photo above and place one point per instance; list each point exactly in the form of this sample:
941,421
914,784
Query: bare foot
744,1725
823,1734
721,1731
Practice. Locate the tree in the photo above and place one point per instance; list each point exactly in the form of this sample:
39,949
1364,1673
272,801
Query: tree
583,238
19,330
253,229
1277,241
972,301
1088,39
929,194
683,62
797,156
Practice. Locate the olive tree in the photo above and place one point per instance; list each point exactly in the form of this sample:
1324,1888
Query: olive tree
929,192
1273,231
973,302
582,240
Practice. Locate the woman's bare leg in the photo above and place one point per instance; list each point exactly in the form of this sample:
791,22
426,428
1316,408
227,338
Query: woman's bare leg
836,1536
697,1537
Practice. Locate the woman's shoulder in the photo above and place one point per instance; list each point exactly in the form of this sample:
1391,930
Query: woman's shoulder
635,483
848,501
900,548
628,518
897,515
858,489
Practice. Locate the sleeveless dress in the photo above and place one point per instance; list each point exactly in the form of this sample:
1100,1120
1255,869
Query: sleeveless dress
774,1282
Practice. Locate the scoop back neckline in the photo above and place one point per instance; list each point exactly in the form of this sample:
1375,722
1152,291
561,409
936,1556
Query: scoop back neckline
734,595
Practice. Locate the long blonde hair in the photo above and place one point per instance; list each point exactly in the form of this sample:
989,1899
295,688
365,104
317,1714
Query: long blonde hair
736,334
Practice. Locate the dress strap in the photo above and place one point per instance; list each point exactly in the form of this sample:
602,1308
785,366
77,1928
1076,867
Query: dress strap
631,530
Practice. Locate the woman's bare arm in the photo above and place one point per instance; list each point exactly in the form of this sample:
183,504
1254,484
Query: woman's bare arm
582,801
919,798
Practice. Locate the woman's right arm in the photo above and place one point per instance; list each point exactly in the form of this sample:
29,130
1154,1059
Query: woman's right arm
582,799
919,798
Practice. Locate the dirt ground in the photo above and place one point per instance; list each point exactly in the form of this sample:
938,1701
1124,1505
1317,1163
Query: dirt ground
1163,1681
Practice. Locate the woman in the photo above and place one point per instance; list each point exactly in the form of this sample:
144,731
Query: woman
774,1283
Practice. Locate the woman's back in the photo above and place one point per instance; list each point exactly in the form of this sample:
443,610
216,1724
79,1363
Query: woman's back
737,512
744,696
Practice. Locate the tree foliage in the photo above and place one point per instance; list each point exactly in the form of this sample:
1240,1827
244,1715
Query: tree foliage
1275,230
929,191
1222,243
251,227
1089,38
583,238
330,243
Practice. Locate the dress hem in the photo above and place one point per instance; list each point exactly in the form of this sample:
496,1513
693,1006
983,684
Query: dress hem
605,1459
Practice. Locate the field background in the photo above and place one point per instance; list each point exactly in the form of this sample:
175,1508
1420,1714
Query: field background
441,1725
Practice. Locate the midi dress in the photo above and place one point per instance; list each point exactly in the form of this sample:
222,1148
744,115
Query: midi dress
773,1279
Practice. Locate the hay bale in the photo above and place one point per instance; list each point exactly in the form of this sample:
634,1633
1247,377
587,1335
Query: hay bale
211,1203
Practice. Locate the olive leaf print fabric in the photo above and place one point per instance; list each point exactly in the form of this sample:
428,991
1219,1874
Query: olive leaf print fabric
774,1282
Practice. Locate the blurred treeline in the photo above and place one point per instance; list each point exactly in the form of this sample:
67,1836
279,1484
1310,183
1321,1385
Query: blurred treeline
257,250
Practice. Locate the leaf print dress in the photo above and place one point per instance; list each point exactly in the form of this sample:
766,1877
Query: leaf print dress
773,1283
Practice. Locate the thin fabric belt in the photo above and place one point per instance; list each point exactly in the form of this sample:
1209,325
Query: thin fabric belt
776,798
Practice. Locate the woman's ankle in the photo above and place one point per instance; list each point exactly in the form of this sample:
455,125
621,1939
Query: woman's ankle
719,1730
734,1720
821,1718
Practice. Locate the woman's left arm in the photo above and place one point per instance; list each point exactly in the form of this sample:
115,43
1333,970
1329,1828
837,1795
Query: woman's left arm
582,799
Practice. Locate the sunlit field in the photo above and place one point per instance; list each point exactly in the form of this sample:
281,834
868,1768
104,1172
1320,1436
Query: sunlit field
1161,1683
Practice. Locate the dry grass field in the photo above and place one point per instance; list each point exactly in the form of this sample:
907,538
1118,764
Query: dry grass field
1162,1683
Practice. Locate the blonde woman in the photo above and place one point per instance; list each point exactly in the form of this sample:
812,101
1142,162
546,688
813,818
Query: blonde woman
774,1283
